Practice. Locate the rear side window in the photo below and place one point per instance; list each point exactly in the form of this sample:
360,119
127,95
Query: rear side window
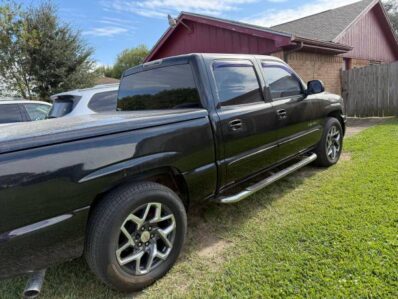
236,82
171,87
10,113
63,105
281,81
37,111
104,101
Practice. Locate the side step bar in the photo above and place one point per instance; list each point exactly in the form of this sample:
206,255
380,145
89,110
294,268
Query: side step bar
268,181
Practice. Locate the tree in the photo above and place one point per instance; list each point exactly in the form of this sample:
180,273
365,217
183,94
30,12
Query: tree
125,60
392,10
12,57
42,55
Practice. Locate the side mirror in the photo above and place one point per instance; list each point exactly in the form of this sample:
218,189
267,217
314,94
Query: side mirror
315,87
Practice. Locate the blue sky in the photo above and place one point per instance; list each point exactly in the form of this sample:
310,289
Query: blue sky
109,26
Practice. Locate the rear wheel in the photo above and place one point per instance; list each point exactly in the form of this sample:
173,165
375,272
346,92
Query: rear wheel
135,236
330,147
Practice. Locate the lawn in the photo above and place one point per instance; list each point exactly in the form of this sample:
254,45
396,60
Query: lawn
318,233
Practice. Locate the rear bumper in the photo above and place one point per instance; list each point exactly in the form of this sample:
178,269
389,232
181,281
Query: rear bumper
40,245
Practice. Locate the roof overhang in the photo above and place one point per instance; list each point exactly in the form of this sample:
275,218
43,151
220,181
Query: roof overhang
282,40
322,46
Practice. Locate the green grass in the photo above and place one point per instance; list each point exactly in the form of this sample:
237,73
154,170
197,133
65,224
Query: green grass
316,234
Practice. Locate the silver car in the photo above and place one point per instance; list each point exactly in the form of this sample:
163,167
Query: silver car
101,98
19,110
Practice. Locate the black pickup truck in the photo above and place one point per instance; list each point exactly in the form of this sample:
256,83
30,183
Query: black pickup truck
115,187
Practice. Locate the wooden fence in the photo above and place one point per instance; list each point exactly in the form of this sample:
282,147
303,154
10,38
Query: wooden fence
371,91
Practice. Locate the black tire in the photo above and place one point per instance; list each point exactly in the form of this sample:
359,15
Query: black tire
105,232
324,159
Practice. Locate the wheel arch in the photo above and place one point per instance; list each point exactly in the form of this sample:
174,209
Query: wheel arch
338,114
166,176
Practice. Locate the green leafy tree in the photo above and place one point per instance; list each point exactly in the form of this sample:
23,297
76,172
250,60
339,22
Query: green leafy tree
127,59
392,10
13,66
43,55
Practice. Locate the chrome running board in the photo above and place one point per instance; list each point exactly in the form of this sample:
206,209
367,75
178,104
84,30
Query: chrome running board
268,181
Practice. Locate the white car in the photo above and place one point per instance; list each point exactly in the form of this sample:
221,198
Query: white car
101,98
19,110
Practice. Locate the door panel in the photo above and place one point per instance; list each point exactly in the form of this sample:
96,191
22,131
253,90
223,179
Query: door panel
297,130
246,123
251,147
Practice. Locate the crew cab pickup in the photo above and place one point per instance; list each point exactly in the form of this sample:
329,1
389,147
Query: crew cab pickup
115,186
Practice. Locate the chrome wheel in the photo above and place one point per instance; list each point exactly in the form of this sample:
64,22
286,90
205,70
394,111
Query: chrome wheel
146,238
333,143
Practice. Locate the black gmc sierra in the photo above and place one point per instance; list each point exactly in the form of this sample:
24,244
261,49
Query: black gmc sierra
115,187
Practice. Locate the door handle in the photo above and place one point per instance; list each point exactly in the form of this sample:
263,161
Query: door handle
235,125
282,114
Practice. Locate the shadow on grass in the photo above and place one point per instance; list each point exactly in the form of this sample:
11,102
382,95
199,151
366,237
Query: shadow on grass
208,223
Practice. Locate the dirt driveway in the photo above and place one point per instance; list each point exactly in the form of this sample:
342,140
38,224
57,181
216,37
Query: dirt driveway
357,125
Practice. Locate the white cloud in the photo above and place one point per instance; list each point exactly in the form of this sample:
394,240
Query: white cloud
160,8
274,17
106,31
110,27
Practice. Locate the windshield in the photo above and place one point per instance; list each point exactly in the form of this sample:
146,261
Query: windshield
171,87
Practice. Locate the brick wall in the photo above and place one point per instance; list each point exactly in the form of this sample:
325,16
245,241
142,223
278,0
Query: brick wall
278,54
358,63
311,66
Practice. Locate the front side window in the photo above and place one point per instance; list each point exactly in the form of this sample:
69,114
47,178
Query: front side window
170,87
10,113
37,111
104,101
281,81
236,82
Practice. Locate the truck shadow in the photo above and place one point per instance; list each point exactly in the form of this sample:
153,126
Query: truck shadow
210,227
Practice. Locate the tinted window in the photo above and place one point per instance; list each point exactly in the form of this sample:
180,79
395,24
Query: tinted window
236,82
281,81
37,111
104,101
63,105
171,87
10,113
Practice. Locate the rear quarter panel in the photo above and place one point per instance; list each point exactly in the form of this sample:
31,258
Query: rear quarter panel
46,192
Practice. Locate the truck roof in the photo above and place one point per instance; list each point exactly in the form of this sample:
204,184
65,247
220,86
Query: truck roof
187,57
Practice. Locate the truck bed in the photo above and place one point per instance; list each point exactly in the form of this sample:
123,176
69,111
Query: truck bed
35,134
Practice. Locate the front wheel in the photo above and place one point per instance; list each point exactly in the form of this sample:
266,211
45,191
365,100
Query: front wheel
135,235
331,145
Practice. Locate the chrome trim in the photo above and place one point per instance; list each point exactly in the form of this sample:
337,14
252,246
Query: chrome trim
266,182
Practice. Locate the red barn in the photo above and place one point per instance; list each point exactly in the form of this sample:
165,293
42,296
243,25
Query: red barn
317,47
